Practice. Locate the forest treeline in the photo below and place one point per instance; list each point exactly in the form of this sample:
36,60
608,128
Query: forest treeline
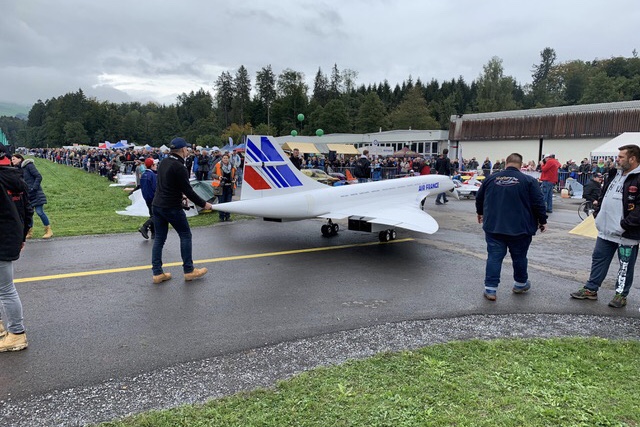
270,104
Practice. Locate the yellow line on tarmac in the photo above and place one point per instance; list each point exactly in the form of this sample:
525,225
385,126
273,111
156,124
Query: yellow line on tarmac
202,261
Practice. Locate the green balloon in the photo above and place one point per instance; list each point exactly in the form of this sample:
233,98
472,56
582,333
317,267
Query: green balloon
294,133
319,132
300,117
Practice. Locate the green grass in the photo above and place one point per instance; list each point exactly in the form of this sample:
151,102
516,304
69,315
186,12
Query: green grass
533,382
81,203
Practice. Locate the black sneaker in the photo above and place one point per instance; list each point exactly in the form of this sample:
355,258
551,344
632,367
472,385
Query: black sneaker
144,232
618,301
439,203
584,293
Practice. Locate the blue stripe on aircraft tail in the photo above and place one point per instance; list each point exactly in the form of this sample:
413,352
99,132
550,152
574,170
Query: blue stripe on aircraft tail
255,153
269,150
274,172
288,174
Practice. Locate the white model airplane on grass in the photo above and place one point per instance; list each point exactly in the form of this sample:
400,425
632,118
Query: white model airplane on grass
274,189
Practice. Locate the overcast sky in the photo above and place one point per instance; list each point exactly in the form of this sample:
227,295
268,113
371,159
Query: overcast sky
157,49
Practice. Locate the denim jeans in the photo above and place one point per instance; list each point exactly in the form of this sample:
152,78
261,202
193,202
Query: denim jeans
547,195
441,197
162,217
601,260
10,304
43,216
497,245
225,197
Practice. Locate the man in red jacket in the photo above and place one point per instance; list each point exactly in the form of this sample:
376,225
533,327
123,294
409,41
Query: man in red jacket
549,178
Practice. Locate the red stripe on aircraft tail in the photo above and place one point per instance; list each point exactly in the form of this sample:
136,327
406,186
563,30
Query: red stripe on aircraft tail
252,178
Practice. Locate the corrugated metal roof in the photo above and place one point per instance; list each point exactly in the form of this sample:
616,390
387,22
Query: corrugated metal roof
551,111
578,121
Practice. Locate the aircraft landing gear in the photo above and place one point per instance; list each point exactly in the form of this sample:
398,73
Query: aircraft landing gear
330,229
387,235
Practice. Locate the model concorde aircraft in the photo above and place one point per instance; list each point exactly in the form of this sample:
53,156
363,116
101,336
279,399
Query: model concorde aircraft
274,189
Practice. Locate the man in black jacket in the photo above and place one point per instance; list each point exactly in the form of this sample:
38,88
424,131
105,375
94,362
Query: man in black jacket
172,185
593,188
617,216
15,214
443,167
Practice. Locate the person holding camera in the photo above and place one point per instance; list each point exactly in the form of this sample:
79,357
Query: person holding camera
167,207
224,183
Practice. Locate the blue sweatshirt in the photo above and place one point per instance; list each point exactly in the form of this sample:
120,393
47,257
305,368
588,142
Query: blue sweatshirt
511,203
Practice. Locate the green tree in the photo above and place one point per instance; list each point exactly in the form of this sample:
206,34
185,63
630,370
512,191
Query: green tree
241,94
320,89
413,113
495,90
224,96
334,118
600,88
74,133
372,115
265,94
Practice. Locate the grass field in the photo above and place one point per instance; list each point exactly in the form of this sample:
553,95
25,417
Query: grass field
555,382
81,203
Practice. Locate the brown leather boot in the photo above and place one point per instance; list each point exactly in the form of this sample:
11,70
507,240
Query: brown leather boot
30,233
196,273
13,342
47,232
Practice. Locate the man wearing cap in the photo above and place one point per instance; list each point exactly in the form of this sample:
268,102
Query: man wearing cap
172,184
591,190
617,216
549,178
148,183
15,215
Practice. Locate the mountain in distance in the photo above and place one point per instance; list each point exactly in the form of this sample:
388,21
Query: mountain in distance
14,110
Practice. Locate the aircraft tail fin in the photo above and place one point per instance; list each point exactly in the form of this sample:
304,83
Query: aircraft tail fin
269,172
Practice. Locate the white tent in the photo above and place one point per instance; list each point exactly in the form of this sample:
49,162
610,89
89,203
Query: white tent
610,148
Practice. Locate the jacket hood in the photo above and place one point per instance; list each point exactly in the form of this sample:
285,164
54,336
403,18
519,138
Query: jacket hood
10,177
25,162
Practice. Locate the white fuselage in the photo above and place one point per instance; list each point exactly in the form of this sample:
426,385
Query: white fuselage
323,201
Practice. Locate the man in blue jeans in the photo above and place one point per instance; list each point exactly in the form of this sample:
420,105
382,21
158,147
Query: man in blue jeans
511,209
618,222
172,185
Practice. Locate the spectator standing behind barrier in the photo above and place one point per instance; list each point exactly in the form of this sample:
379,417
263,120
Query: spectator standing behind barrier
549,178
148,183
203,166
362,170
173,183
37,198
15,215
443,167
295,158
618,222
224,177
592,189
511,209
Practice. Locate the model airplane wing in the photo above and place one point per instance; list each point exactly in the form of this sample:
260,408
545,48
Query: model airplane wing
409,217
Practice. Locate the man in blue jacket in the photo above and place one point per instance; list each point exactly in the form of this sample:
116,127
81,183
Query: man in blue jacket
148,190
511,209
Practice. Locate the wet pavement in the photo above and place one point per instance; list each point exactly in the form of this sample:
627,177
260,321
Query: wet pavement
279,298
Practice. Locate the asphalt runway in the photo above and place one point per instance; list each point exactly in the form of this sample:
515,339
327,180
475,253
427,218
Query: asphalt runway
94,317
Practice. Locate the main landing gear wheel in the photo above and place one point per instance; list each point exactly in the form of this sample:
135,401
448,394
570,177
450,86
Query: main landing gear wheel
330,229
387,235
